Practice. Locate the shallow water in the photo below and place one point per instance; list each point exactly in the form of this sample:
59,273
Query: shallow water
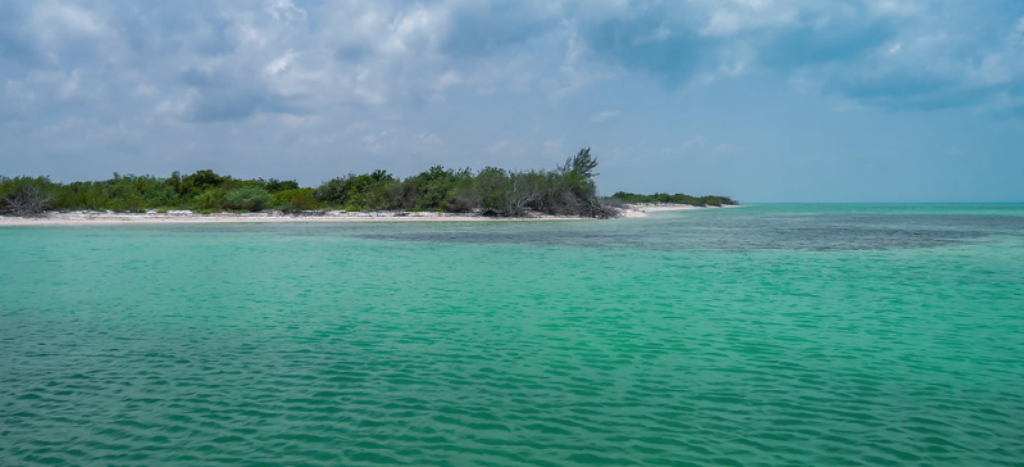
766,335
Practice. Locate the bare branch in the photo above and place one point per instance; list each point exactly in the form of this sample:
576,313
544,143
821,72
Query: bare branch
27,201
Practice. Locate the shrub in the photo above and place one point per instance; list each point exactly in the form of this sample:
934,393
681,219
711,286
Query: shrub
371,191
568,190
26,196
678,198
248,198
491,188
193,186
131,202
436,189
276,186
82,195
211,199
297,200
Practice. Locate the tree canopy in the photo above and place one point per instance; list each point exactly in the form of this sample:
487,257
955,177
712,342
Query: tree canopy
569,190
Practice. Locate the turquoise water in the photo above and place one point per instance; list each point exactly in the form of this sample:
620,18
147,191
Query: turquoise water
766,335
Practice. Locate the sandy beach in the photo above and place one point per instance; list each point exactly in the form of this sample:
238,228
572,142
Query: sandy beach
634,211
153,217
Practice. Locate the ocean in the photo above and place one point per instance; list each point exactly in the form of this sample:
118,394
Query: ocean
870,335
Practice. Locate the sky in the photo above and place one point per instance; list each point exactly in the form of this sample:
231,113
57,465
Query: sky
761,100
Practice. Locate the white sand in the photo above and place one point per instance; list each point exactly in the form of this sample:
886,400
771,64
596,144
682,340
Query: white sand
188,217
633,211
183,217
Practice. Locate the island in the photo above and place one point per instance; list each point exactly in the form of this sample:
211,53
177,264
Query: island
567,192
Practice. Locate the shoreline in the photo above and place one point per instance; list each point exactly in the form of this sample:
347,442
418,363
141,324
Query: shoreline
634,211
76,218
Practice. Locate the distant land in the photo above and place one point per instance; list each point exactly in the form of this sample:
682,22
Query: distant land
569,191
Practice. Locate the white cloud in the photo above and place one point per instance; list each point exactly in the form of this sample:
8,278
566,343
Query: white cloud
730,17
280,64
409,70
693,143
19,91
179,106
555,147
726,148
896,7
54,22
992,71
145,90
429,139
603,116
388,53
448,79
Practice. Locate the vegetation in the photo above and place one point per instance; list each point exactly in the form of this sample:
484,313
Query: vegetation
297,200
203,190
248,198
568,190
25,196
678,198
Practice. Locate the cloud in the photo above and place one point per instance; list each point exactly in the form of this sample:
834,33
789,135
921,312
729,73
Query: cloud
235,106
289,73
881,53
636,44
478,29
555,147
602,116
272,58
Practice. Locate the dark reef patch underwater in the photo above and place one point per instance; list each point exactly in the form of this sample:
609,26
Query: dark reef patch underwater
763,228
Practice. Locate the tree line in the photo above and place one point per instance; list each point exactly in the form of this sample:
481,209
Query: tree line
568,190
678,198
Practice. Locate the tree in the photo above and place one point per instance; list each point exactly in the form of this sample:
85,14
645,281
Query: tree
200,182
359,192
578,176
582,164
435,188
520,192
491,190
298,200
504,193
274,185
25,196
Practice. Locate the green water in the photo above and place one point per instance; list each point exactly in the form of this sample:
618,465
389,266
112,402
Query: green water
767,335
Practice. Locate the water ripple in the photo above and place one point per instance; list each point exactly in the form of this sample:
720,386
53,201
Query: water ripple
337,350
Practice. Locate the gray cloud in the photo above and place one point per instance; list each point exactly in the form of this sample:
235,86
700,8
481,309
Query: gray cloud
328,76
478,29
389,52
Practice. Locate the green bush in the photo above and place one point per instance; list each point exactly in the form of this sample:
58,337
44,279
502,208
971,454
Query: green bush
192,186
131,202
568,190
251,199
372,191
211,199
435,188
678,198
26,196
276,186
82,195
333,191
491,189
297,200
